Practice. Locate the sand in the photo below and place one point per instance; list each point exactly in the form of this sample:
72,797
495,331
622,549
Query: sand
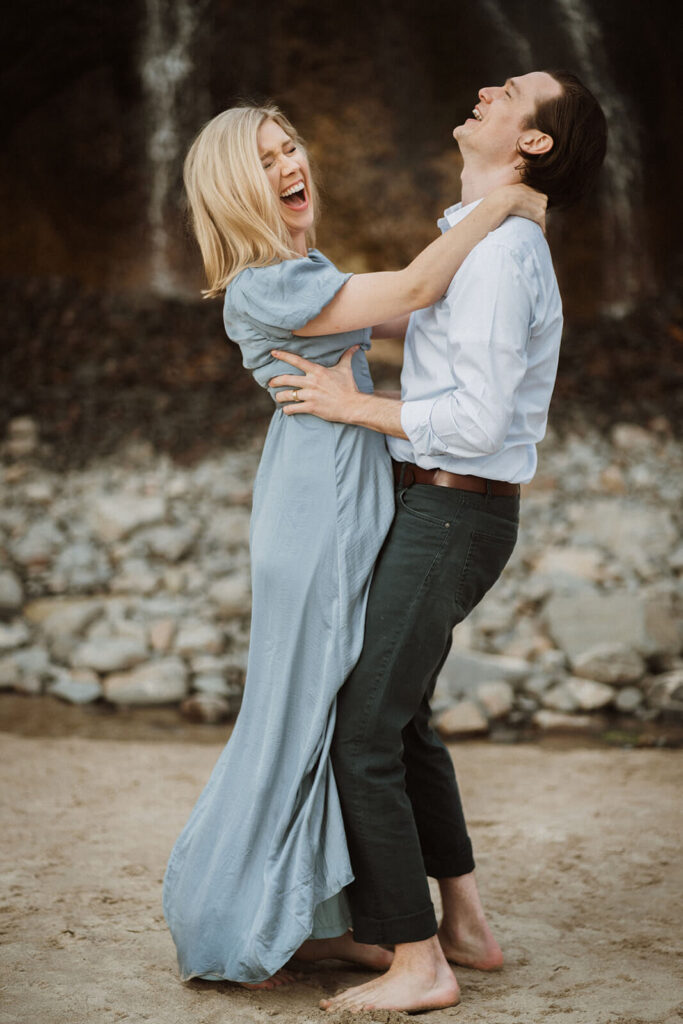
578,854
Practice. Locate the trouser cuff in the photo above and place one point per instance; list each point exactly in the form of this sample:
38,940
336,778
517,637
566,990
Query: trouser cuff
459,861
414,928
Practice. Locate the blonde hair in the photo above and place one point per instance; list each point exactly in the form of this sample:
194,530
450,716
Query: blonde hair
234,212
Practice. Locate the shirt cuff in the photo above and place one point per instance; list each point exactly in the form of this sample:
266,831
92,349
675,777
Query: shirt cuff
416,422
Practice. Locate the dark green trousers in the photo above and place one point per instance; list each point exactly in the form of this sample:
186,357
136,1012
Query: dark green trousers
399,795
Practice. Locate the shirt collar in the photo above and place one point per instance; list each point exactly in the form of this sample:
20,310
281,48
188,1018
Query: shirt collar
455,213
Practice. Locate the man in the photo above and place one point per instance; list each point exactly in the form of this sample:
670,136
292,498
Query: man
479,370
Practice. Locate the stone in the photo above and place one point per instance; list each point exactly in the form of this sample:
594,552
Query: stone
649,624
464,670
170,542
665,691
538,683
612,480
462,719
589,694
11,592
8,673
161,633
496,698
559,698
569,566
157,682
13,634
115,516
198,638
63,625
628,699
80,567
109,654
556,721
22,437
615,664
625,529
494,616
40,492
135,576
208,708
38,545
211,682
630,438
231,595
676,559
228,528
78,687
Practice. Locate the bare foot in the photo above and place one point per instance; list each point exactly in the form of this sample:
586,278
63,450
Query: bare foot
281,977
478,949
465,936
343,947
418,979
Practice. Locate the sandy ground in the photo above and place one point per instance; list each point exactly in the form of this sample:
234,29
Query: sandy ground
577,854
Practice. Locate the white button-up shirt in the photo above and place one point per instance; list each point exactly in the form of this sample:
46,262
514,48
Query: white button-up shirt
479,365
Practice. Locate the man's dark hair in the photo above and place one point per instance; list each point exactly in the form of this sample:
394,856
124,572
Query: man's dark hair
576,123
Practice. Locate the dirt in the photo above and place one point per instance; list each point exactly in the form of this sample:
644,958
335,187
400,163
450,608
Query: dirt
578,862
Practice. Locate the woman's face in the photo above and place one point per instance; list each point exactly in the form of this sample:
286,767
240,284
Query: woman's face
288,173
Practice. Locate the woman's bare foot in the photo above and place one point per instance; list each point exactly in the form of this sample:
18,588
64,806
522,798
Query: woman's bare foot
418,979
281,977
343,947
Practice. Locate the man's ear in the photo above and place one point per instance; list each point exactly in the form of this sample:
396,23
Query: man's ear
535,142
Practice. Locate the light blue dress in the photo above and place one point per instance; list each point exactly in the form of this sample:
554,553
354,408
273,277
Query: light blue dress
262,863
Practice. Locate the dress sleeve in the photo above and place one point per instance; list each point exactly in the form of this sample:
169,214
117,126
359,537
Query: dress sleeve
283,297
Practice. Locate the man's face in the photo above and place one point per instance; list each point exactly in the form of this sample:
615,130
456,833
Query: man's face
500,116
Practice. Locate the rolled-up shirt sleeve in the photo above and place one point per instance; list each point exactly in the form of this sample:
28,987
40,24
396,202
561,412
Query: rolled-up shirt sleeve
491,302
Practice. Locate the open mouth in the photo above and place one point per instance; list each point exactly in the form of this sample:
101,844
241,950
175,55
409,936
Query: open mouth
295,196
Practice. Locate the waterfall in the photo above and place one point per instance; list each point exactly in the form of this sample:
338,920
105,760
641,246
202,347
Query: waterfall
512,38
165,65
625,260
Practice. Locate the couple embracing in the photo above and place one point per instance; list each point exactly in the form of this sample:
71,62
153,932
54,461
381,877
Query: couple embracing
379,521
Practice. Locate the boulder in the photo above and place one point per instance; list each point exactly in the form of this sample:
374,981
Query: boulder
208,708
628,699
232,595
161,633
649,624
588,694
13,634
77,687
615,664
464,670
227,529
569,568
496,698
157,682
665,691
559,697
556,721
198,638
109,653
170,542
80,567
38,545
462,719
11,592
63,623
115,516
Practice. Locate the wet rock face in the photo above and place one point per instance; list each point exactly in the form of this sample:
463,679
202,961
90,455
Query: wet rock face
130,84
575,634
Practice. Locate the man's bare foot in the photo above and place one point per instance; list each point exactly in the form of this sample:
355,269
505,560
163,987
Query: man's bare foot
343,947
281,977
418,979
465,936
478,949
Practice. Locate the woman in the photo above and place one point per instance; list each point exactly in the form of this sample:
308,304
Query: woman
258,873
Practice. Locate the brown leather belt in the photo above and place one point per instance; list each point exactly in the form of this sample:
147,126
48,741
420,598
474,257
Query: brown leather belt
413,474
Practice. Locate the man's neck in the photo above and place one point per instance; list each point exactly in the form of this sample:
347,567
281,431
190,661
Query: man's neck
477,182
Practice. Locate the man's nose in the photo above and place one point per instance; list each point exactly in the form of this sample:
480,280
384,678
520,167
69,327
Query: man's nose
488,93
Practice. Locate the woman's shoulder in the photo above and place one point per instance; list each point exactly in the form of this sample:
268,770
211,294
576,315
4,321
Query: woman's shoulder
289,291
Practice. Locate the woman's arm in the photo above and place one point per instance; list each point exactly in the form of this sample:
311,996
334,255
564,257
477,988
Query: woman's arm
368,299
395,328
